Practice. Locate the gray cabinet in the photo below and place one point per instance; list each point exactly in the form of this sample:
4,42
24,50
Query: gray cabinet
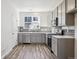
56,12
31,38
19,37
63,13
54,45
70,19
43,38
70,12
26,38
59,15
71,5
36,38
23,38
54,16
63,48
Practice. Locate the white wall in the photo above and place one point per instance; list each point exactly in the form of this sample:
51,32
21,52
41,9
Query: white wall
45,17
8,28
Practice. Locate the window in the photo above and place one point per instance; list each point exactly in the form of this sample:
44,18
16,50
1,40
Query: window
28,19
35,18
32,22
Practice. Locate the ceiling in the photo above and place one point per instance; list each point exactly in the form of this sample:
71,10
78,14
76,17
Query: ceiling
35,5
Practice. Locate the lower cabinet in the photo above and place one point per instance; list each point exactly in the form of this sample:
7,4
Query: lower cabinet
63,48
54,45
31,38
35,38
26,38
43,39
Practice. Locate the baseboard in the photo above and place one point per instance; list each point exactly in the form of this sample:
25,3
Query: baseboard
2,57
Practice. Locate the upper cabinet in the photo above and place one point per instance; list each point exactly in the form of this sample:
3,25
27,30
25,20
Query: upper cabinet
71,5
56,11
63,17
70,12
54,19
60,15
63,14
70,19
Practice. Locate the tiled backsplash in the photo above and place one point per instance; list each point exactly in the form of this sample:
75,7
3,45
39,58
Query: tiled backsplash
42,29
69,30
46,29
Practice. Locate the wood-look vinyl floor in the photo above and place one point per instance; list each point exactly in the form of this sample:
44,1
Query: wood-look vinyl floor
31,51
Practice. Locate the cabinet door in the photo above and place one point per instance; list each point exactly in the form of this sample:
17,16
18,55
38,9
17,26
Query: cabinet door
19,37
54,45
75,3
54,17
26,37
43,38
55,11
35,37
65,48
70,5
59,15
70,20
63,13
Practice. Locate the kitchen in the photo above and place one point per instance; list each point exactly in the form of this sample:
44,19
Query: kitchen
35,26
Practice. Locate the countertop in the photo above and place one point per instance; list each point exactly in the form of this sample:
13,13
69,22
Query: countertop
32,32
48,33
63,36
54,35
